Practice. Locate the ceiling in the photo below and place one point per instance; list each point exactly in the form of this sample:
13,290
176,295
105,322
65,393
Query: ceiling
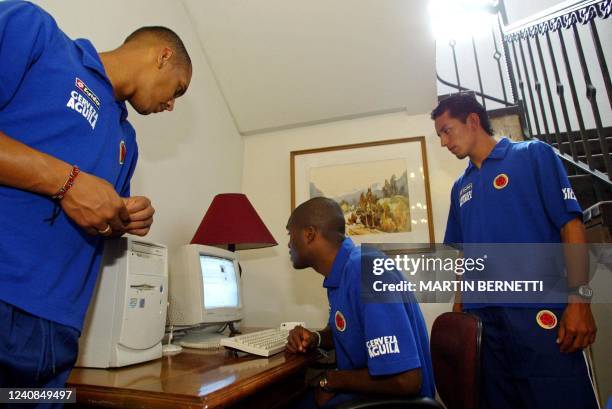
287,63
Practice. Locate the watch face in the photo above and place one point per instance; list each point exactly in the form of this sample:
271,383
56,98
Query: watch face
585,291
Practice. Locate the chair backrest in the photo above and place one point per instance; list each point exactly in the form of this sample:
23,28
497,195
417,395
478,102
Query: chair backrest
455,355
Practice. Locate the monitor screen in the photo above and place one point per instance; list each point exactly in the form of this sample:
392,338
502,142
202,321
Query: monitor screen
220,282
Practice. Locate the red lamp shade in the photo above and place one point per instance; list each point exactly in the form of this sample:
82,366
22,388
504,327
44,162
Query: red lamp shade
231,220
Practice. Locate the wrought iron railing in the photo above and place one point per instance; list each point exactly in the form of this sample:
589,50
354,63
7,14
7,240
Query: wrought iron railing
531,83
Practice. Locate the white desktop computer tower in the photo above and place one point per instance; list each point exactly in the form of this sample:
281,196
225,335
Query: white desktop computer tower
126,318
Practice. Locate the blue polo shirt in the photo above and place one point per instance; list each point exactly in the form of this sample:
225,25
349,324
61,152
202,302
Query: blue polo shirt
520,194
386,338
55,97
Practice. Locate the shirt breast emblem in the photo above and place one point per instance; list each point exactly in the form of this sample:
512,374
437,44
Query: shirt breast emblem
122,152
340,321
546,319
501,181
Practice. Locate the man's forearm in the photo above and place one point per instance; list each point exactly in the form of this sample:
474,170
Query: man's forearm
25,168
360,380
576,253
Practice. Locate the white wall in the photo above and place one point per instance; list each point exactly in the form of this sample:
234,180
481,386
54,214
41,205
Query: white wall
186,156
273,290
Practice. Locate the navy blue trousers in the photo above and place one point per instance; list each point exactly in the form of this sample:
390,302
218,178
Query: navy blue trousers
34,352
522,367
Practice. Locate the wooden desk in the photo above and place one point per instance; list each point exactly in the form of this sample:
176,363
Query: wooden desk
197,379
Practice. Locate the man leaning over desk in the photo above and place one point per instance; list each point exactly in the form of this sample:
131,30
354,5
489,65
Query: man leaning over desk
381,347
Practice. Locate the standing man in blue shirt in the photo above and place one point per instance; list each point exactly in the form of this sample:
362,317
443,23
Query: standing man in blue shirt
381,347
67,154
520,193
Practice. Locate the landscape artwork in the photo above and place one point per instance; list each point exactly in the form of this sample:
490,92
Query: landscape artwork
374,195
381,186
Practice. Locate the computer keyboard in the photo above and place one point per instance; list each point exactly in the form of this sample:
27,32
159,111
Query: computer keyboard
263,343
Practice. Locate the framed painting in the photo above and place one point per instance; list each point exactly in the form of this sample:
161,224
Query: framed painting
382,188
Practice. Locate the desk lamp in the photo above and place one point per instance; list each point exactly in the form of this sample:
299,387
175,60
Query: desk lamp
232,221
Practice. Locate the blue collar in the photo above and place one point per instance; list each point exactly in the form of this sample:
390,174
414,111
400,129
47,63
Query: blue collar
91,60
498,152
333,279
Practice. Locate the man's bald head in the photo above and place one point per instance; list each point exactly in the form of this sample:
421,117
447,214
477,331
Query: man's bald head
322,213
166,36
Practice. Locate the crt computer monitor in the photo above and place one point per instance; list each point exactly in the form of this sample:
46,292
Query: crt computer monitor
204,286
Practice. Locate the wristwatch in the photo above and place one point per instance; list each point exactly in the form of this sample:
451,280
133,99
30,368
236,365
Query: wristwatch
323,384
583,291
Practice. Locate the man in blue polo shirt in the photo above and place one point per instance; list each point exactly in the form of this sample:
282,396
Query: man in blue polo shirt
381,347
519,193
67,154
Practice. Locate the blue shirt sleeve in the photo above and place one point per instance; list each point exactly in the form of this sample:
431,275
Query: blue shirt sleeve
555,190
389,337
25,29
453,233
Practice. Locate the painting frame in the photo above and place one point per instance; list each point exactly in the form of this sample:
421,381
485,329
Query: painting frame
335,157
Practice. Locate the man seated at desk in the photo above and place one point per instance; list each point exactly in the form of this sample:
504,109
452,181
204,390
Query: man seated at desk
381,347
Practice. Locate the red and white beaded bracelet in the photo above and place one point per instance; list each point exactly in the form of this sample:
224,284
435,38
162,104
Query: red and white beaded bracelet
68,184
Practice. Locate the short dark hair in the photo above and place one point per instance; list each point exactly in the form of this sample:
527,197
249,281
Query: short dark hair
324,214
459,106
167,35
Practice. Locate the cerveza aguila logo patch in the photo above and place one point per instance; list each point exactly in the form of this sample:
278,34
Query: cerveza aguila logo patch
80,104
465,194
87,91
382,346
84,102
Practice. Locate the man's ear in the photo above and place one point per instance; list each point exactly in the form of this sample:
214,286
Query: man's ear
310,233
473,120
164,57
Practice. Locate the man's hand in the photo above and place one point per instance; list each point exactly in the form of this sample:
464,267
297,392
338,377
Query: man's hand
301,340
321,397
141,215
577,328
93,204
